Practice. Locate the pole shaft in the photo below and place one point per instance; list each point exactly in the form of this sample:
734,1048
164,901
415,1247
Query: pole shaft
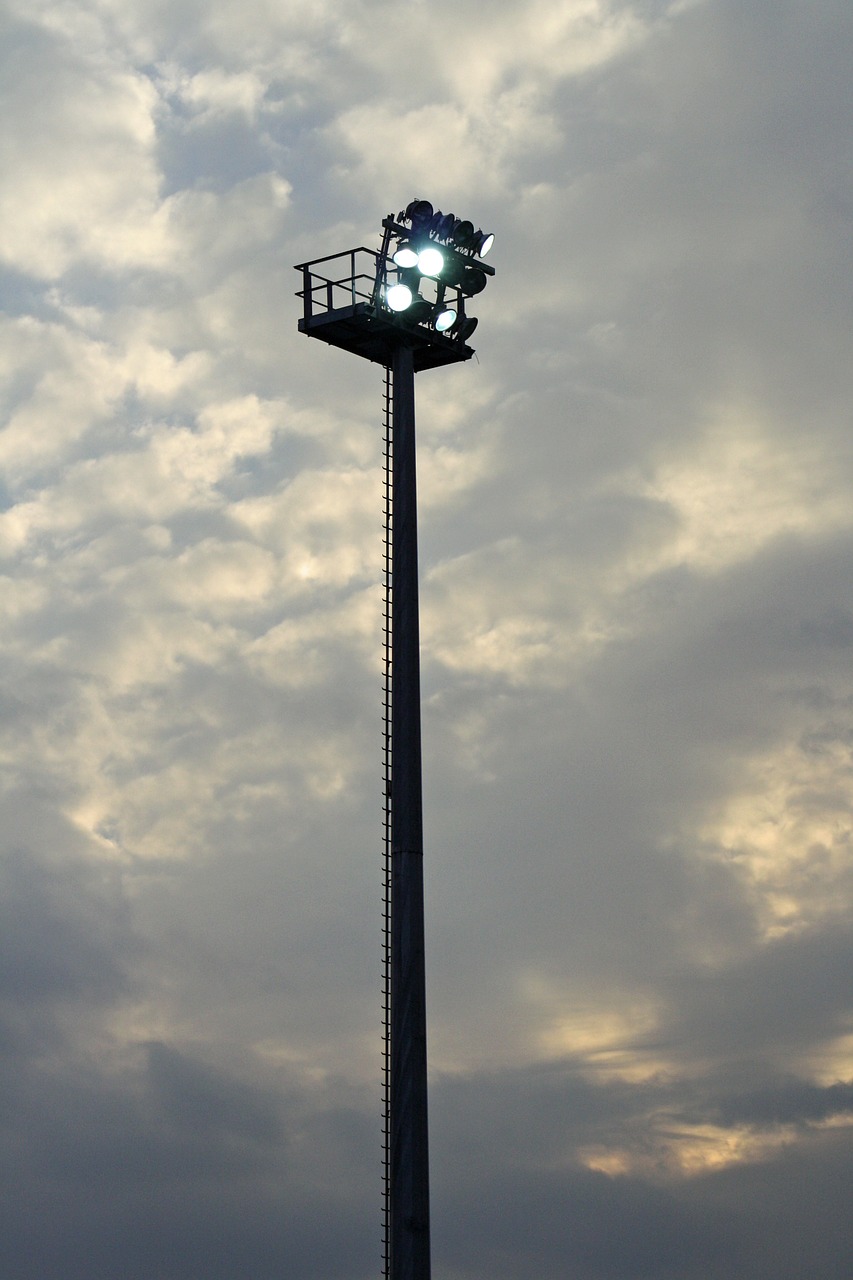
409,1171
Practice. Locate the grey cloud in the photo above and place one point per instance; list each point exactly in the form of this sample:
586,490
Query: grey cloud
201,1100
212,1185
786,1216
636,604
586,1221
793,991
788,1101
66,935
506,1154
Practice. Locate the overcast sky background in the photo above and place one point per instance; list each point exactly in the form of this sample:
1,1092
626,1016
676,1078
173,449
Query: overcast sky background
637,629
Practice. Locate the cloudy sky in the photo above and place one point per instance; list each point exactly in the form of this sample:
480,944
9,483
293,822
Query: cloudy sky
637,616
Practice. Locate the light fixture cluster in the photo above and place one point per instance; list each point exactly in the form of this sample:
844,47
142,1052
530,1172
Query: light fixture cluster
439,250
447,227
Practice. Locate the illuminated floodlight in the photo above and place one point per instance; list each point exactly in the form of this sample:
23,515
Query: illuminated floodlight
445,251
398,297
430,261
406,256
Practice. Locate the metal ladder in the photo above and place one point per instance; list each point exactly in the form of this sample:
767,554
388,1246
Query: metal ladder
387,659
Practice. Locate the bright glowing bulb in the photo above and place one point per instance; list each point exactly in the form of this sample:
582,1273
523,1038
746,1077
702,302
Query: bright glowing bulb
445,319
406,256
486,245
398,297
430,261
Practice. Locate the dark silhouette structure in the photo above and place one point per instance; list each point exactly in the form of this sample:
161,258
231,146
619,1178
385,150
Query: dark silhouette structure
403,307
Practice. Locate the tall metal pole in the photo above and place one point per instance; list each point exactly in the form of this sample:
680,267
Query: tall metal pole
409,1153
403,329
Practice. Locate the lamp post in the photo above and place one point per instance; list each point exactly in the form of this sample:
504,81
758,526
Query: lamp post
403,307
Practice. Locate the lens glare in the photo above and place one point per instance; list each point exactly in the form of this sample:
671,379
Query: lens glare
430,261
406,256
398,297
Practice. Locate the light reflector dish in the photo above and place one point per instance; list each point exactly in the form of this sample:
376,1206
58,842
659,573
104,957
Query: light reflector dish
406,256
398,297
430,261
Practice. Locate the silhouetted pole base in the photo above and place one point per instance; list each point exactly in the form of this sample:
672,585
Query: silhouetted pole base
409,1154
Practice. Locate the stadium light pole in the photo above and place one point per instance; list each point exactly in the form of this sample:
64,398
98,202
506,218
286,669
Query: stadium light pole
403,307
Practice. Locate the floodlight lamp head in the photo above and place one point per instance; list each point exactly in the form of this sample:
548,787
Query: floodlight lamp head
483,242
463,234
419,214
453,271
398,297
473,281
419,310
406,255
444,318
442,225
430,261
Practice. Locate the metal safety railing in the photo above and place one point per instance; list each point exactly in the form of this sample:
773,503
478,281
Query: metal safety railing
332,288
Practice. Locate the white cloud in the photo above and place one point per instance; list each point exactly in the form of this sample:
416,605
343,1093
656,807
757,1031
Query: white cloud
79,174
215,92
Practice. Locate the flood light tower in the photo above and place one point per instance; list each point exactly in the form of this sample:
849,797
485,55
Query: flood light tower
403,307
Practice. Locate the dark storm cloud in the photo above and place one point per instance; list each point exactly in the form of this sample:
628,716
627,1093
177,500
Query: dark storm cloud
513,1193
787,1101
793,992
203,1102
784,1216
178,1169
